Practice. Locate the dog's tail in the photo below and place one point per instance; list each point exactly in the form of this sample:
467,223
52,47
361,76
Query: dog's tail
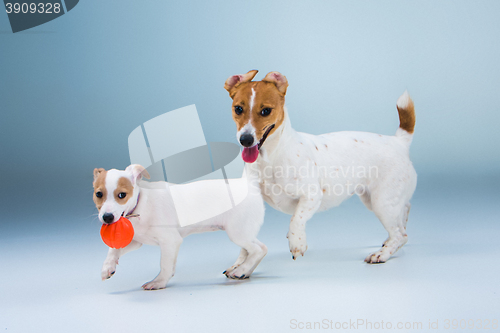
406,111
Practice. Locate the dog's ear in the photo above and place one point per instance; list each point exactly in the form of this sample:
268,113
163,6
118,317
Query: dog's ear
97,172
234,81
278,79
137,171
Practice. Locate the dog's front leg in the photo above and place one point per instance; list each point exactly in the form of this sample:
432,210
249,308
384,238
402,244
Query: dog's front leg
109,266
307,206
169,247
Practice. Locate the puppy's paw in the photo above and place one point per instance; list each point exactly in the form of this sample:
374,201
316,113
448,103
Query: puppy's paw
378,257
155,285
229,270
238,273
297,243
108,269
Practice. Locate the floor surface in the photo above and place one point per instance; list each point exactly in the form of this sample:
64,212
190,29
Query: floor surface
50,274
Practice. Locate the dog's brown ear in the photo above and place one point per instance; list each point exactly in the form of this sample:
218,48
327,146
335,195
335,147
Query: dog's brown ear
234,81
137,171
278,79
97,171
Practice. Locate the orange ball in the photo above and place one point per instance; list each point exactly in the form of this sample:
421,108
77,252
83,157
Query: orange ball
119,234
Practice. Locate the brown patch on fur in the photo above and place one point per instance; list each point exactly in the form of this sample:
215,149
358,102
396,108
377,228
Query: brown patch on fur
355,140
100,186
124,186
267,95
407,117
234,81
97,172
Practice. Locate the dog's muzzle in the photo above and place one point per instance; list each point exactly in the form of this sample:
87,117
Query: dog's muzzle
246,140
108,218
250,152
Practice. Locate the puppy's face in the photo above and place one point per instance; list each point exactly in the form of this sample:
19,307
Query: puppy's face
116,192
257,109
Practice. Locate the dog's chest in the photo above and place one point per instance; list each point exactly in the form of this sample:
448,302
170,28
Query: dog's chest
279,188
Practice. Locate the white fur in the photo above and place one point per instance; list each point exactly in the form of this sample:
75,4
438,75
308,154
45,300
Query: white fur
247,129
157,224
386,190
403,100
252,101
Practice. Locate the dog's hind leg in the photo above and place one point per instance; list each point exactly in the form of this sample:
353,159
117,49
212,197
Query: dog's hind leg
367,201
392,215
263,254
252,250
241,258
109,266
256,252
169,247
407,213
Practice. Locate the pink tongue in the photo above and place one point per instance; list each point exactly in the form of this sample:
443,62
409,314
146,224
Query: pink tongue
250,155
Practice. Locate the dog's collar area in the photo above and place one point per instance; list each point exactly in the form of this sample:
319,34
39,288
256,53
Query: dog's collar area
131,213
264,137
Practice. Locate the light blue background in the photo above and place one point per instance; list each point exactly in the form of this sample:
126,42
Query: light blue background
73,89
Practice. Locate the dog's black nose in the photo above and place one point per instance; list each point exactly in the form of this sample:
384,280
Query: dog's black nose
246,140
108,218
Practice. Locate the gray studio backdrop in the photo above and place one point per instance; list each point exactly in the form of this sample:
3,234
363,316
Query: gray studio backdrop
73,89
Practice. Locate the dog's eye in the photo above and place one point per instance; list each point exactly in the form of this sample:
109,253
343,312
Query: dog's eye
122,195
238,110
265,112
98,194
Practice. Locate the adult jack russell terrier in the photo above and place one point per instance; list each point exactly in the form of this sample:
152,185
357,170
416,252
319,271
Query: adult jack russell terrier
301,173
121,192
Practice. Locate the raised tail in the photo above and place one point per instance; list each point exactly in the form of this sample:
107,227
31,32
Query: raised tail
406,111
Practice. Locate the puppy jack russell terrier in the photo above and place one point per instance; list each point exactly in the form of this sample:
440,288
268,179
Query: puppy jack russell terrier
120,193
301,173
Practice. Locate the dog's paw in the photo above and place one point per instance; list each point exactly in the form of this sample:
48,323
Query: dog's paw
108,269
155,285
378,257
238,273
297,243
229,270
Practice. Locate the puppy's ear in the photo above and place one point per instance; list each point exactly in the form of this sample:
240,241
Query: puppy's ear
234,81
97,172
279,80
137,171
